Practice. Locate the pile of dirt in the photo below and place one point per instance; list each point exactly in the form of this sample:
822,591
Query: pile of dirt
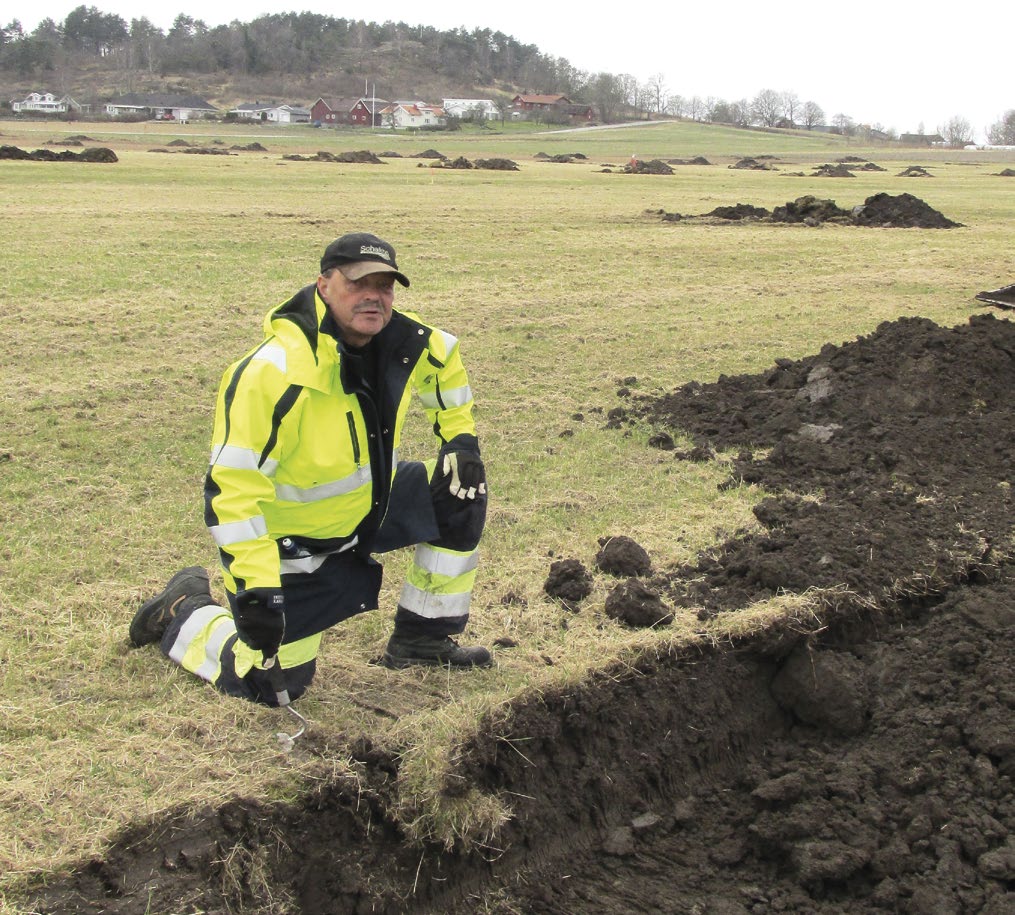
832,171
900,211
205,151
362,156
428,154
1006,173
811,210
755,164
497,165
914,171
697,160
91,154
879,210
739,211
561,157
249,147
647,167
866,424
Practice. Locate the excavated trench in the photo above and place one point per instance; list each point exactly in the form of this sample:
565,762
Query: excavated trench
856,759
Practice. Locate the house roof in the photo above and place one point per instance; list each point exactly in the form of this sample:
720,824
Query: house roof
161,100
542,99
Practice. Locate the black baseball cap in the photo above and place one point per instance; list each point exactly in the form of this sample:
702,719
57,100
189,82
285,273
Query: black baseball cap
359,254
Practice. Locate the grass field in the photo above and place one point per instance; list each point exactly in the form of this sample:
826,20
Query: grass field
126,289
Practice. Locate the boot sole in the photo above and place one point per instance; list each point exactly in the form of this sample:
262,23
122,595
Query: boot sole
178,588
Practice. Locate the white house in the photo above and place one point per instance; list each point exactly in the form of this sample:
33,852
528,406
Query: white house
469,107
270,112
45,102
402,115
161,106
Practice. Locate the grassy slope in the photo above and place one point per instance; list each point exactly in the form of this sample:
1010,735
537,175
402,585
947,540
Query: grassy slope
126,289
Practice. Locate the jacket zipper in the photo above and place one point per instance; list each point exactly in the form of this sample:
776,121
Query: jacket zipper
354,436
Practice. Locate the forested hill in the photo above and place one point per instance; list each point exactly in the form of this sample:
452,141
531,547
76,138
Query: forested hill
287,56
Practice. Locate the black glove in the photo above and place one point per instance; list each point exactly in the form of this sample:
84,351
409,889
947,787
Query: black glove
466,474
260,619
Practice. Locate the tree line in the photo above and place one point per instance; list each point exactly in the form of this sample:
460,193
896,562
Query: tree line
310,45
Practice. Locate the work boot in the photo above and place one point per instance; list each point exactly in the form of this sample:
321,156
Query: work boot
434,651
151,621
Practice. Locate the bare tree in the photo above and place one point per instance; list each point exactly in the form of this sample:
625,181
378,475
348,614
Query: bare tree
844,124
696,108
1002,132
812,115
677,105
790,106
655,91
766,108
957,132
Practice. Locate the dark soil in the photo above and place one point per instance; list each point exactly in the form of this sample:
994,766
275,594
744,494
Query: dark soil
647,167
91,154
898,211
855,758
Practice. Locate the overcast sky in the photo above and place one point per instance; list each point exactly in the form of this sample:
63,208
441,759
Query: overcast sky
895,64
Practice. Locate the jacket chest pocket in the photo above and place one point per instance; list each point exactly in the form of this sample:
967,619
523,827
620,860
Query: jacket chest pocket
331,442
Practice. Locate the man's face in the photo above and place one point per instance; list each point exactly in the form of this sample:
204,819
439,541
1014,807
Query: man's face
362,307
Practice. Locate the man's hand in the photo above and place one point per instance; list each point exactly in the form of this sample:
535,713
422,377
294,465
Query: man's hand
468,476
260,619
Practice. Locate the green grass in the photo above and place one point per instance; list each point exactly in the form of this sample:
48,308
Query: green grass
126,289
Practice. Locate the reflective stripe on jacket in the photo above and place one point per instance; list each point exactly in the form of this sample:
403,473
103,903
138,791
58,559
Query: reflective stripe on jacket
300,451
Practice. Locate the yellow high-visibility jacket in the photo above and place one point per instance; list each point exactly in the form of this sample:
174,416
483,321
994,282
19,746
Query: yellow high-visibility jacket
300,450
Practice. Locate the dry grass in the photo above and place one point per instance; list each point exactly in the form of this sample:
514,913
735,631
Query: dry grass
128,288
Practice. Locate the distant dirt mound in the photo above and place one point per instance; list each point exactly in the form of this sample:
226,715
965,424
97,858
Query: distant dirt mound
90,154
362,156
832,171
739,211
650,167
498,165
428,154
914,171
205,151
461,162
250,147
697,160
1006,173
755,164
880,210
809,208
901,211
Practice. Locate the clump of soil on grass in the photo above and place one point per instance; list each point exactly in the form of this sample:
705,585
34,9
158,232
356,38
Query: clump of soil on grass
622,556
428,154
569,582
633,603
249,147
1006,173
915,171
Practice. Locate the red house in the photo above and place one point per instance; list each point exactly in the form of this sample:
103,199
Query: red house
558,106
356,112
